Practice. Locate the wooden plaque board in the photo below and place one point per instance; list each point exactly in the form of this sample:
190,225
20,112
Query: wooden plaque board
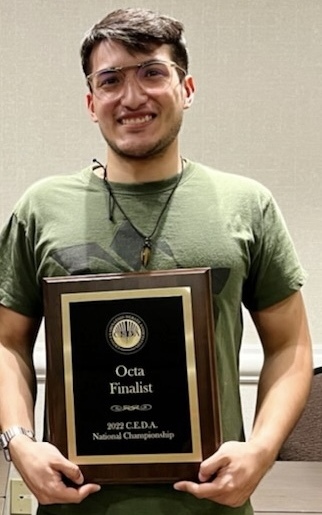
131,384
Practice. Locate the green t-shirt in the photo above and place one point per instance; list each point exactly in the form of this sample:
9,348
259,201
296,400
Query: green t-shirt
68,225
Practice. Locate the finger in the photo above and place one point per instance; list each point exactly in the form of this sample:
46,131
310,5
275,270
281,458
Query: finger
210,467
186,486
60,492
71,472
201,491
69,495
77,495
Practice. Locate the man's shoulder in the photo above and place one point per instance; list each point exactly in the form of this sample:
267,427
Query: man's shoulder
59,181
227,180
47,189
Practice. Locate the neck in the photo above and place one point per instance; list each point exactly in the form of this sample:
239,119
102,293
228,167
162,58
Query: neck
155,168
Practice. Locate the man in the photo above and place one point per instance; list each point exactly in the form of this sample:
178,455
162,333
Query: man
149,208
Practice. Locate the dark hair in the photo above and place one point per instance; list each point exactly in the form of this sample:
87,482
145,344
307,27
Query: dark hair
139,30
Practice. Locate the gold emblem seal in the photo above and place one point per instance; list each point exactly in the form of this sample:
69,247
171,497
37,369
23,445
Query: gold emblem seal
126,333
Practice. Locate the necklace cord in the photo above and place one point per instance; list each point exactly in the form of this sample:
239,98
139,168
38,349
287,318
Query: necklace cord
147,245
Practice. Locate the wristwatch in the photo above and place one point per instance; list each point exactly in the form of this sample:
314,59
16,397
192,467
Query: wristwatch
9,434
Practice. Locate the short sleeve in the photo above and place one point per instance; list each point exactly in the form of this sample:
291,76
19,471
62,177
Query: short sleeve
275,271
19,289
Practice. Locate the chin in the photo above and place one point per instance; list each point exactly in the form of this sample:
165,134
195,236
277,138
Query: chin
139,148
137,151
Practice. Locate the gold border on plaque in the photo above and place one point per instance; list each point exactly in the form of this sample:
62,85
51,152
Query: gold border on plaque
185,294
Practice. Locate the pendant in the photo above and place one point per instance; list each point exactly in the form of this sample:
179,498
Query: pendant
146,252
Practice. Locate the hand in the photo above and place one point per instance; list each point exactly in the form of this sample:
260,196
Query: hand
229,476
43,469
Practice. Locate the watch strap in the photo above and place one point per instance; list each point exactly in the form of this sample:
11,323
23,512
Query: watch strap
9,434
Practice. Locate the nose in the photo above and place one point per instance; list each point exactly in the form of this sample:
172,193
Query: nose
133,95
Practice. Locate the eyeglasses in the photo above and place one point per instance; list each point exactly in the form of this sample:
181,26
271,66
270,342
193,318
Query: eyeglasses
151,76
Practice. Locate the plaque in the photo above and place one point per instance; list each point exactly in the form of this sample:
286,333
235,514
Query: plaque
131,384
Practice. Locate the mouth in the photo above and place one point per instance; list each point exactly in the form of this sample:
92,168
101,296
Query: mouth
136,120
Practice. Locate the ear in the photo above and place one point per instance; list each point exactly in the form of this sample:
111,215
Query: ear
91,106
189,91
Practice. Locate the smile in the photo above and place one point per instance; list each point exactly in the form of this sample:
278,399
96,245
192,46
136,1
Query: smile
137,120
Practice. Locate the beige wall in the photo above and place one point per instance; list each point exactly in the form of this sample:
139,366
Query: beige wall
258,107
258,111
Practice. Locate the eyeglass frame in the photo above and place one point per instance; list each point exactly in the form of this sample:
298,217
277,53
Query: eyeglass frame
138,66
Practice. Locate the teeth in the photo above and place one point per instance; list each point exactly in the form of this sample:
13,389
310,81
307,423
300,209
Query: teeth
139,119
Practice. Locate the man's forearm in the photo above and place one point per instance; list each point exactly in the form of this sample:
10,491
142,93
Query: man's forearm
17,374
17,389
283,389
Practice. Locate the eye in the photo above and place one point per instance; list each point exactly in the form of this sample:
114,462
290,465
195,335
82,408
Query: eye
155,71
108,79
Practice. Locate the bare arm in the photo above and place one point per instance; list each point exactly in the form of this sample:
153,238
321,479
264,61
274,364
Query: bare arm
17,375
286,375
41,465
283,389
